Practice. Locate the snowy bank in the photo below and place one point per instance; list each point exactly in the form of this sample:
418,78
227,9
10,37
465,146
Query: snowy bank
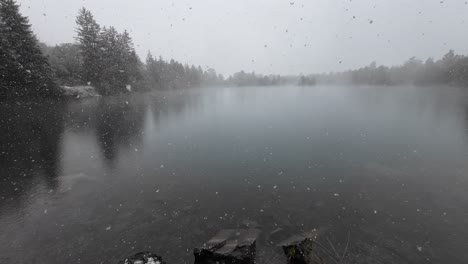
79,91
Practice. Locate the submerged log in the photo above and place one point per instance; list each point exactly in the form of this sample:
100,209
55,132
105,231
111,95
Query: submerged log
302,249
229,246
143,258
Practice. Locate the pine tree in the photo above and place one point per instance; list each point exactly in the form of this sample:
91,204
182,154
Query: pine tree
24,71
88,32
131,63
112,73
109,59
125,47
153,77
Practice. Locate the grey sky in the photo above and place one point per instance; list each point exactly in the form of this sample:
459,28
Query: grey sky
270,36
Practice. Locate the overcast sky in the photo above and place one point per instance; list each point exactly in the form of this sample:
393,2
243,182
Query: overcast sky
270,36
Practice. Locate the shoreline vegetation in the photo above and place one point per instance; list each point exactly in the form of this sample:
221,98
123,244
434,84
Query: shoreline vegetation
103,61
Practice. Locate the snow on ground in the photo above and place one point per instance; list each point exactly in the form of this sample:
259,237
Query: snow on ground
79,91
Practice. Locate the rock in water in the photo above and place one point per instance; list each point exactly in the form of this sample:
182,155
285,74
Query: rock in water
143,258
229,246
302,249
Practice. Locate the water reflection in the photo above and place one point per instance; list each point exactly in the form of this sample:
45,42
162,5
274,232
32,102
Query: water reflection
118,122
30,142
163,171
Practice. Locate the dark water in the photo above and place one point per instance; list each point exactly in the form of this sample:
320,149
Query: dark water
96,180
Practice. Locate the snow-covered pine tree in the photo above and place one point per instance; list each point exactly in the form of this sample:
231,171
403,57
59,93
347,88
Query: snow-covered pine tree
88,37
24,71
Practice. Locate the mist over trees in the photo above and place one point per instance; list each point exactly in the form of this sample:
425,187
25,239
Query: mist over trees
251,79
163,75
101,57
106,59
24,70
451,69
307,81
109,60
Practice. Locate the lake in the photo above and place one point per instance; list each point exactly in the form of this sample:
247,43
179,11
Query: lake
96,180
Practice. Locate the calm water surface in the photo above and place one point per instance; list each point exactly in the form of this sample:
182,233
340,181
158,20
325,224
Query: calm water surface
94,181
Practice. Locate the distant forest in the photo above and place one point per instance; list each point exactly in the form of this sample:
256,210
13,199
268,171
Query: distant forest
106,59
452,69
100,56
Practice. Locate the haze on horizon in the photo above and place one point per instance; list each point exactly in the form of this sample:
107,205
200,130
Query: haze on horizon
269,36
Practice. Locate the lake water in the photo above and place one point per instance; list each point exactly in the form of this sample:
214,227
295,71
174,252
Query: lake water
96,180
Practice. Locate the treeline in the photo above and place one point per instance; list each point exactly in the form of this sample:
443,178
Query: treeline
24,70
101,57
104,58
162,75
251,79
451,69
307,81
109,60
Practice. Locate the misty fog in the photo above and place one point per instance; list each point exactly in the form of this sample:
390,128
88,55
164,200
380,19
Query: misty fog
233,132
301,36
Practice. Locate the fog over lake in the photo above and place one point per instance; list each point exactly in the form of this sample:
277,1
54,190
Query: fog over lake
95,180
233,132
